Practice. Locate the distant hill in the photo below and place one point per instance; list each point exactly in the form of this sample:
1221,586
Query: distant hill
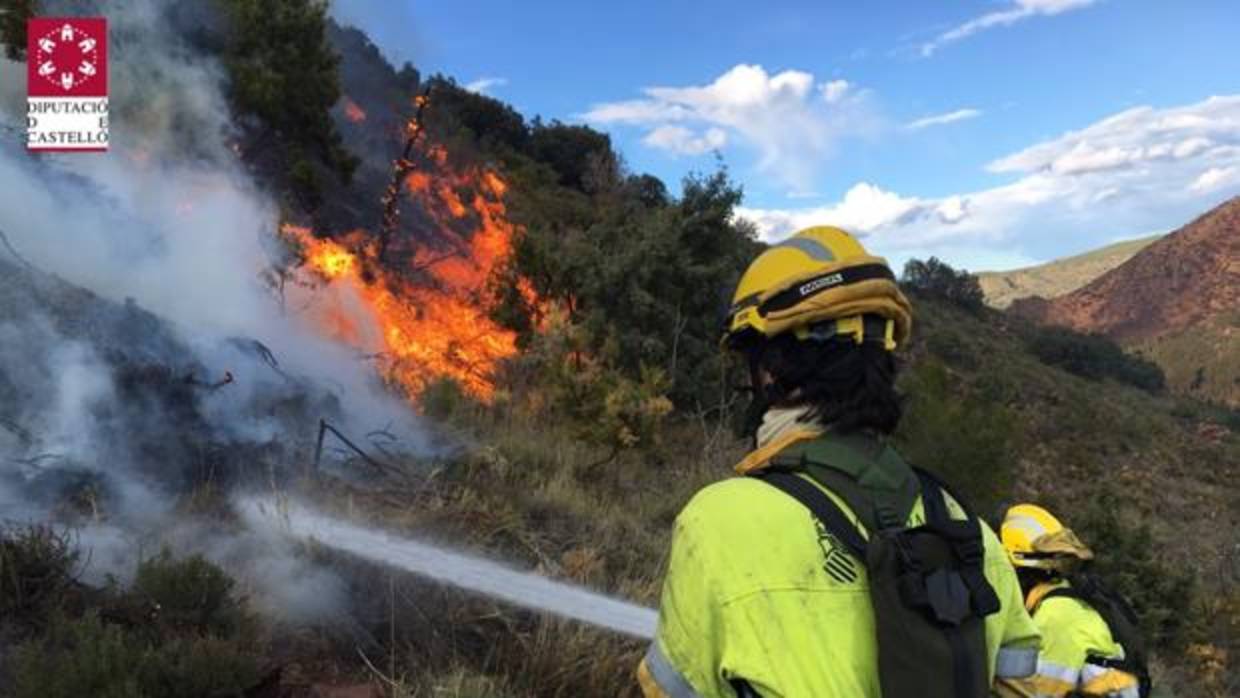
1177,300
1059,276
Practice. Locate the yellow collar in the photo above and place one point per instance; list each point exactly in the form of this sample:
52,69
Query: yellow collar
1039,592
761,456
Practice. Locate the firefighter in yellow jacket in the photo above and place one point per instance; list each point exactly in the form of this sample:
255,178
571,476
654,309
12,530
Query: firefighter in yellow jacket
1080,654
831,568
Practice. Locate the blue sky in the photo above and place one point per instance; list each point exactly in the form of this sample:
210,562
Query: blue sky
993,133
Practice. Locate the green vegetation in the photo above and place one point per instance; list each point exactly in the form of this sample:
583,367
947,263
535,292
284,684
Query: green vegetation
644,286
979,461
88,657
1201,361
37,568
178,630
283,77
1095,357
1163,595
938,279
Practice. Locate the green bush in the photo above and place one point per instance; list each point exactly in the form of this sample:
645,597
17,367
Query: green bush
88,657
1094,357
79,658
180,630
938,279
191,594
37,567
645,287
305,182
963,437
1163,596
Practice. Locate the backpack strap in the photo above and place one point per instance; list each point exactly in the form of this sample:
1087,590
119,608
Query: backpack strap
966,541
820,505
916,590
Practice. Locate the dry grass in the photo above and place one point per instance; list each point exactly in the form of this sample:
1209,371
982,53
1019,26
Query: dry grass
538,498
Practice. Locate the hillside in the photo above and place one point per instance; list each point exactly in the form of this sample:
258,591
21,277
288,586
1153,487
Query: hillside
1191,275
1057,277
1175,300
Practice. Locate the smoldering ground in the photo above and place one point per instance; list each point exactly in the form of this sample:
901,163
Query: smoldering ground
142,358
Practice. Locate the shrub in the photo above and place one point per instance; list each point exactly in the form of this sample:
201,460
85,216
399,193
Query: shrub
37,564
959,435
88,657
1163,596
1094,357
192,595
189,636
936,278
78,658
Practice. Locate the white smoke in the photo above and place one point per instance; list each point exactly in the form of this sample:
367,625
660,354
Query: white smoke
166,221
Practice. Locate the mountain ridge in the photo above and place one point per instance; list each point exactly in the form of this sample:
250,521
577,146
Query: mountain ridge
1058,276
1179,281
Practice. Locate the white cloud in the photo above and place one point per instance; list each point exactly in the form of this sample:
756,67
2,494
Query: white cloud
1138,170
683,141
483,85
865,208
789,119
941,119
1136,138
835,90
1215,177
1017,11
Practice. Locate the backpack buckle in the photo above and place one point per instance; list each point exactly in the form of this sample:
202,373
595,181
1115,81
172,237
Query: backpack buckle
949,597
970,551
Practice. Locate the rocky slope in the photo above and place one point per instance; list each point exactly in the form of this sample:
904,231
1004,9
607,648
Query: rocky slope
1186,278
1177,301
1059,276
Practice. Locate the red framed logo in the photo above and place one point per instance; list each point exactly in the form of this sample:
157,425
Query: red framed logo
67,83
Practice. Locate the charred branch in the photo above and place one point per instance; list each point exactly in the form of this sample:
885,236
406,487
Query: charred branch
325,429
401,169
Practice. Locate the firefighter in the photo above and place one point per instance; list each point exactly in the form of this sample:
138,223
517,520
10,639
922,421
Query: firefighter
1090,642
830,568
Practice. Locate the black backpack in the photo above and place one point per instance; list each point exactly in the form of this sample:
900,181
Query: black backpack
927,586
1120,619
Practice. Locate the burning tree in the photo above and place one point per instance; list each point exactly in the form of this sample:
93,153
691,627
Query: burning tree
421,310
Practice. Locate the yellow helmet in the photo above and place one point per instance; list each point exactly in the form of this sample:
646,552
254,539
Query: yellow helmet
819,274
1035,538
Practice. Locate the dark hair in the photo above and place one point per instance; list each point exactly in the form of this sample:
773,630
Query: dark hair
850,386
1030,577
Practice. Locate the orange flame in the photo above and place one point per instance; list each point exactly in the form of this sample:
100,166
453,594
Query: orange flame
424,332
352,112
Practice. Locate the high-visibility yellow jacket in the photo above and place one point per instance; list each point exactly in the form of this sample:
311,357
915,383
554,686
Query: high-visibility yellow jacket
755,590
1072,631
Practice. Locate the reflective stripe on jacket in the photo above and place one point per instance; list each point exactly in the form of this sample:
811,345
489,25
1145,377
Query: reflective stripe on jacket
1072,632
757,590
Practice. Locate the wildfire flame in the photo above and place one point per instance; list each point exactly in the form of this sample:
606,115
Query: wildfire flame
424,331
353,112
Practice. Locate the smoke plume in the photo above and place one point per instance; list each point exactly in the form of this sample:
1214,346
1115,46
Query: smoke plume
141,354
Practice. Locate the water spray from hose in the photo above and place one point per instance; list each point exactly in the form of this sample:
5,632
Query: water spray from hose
475,574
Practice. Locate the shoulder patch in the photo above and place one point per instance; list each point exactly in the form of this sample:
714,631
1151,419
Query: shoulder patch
838,563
